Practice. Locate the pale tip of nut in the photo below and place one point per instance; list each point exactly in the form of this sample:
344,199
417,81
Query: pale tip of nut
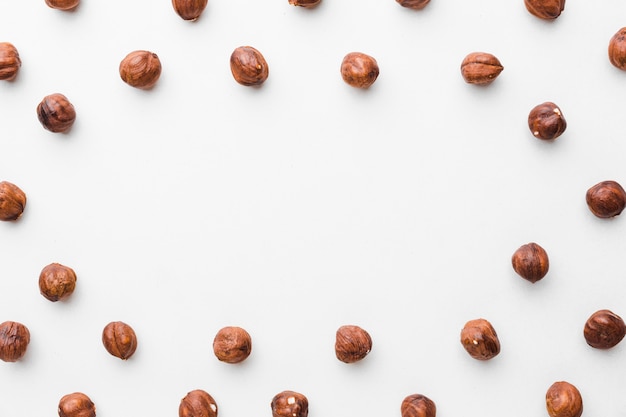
557,111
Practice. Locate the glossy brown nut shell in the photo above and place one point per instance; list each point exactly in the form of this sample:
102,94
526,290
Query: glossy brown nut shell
189,9
119,339
480,68
289,404
545,9
546,121
305,3
10,61
606,199
530,261
14,339
76,404
480,340
57,282
564,400
617,49
140,69
418,405
352,344
63,4
359,70
248,66
604,329
12,201
197,403
413,4
232,344
56,113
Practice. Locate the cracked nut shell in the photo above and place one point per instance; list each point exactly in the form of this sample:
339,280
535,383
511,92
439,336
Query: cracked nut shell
232,344
545,9
480,68
56,113
480,340
57,282
12,201
76,404
359,70
140,69
530,261
10,61
564,400
604,329
413,4
119,339
546,121
189,9
617,49
352,344
418,405
14,339
63,4
289,404
606,199
248,66
305,3
197,403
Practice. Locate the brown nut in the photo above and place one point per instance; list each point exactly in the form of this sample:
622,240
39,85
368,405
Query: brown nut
232,344
12,201
617,49
413,4
530,261
289,404
197,403
56,113
545,9
359,70
248,66
606,199
140,69
480,68
10,61
564,400
57,282
76,404
63,4
305,3
418,405
119,339
604,329
14,339
352,344
189,9
546,121
480,340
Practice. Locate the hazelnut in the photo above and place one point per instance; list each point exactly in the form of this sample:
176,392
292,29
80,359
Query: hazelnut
57,281
352,344
546,121
290,404
63,4
359,70
305,3
606,199
413,4
617,49
10,62
140,69
119,339
418,405
480,68
56,113
545,9
248,66
564,400
197,403
480,340
189,9
530,262
76,405
232,344
604,329
12,201
14,339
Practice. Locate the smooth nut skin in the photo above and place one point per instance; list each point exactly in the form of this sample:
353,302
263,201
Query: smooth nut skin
480,340
604,329
530,261
352,344
413,4
289,404
119,339
480,68
359,70
57,282
546,121
10,61
14,339
232,344
617,49
564,400
248,66
189,9
418,405
197,403
63,4
606,199
56,113
545,9
305,3
76,404
12,201
140,69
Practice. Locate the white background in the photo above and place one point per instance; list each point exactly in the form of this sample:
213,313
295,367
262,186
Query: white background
303,205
